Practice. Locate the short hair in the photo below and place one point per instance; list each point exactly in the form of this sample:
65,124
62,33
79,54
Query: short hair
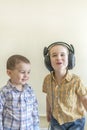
16,59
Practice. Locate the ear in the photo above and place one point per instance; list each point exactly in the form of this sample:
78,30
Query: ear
9,72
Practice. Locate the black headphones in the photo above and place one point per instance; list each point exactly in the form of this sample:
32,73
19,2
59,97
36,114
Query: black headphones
71,57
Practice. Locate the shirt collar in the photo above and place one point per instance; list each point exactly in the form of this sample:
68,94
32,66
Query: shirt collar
10,85
67,77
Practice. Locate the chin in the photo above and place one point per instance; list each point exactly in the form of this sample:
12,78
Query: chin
23,83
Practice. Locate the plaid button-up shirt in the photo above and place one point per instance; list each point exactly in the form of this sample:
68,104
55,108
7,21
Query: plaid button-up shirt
64,98
18,109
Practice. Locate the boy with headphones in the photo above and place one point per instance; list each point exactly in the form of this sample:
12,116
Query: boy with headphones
66,99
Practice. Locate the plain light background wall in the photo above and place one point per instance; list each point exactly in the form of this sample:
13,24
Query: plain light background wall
27,26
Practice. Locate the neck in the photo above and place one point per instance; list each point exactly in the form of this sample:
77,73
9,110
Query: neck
19,87
59,76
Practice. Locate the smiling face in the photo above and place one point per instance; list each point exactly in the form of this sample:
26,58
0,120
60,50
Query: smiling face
20,74
59,57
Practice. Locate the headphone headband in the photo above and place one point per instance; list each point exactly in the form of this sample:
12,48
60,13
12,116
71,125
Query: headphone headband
70,47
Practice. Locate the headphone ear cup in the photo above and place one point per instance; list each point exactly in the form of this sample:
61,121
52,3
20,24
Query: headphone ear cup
48,63
45,51
71,61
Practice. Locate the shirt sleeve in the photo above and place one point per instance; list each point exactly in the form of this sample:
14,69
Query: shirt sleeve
35,113
81,89
44,86
1,110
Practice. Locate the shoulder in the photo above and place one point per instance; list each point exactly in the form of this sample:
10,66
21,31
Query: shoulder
4,89
46,82
29,90
4,92
47,77
72,76
30,93
28,87
75,76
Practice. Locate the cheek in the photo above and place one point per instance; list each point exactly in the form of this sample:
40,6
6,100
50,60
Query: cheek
66,60
18,76
52,61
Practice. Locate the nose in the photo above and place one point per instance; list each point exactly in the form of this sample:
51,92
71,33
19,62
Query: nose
58,56
26,75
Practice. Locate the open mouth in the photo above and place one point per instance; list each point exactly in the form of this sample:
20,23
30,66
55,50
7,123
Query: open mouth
59,63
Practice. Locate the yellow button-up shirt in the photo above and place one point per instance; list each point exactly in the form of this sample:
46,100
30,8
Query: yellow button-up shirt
64,99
